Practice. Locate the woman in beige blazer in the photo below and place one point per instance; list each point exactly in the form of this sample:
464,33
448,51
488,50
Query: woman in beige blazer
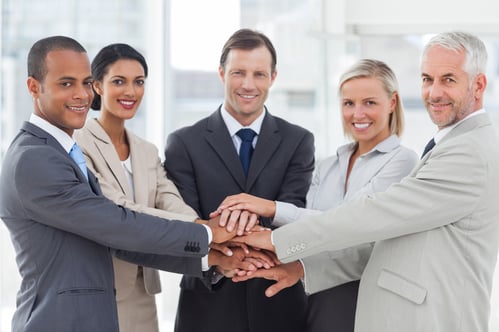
129,172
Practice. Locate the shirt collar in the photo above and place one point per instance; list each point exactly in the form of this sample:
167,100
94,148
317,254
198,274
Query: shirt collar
61,136
444,131
233,125
385,146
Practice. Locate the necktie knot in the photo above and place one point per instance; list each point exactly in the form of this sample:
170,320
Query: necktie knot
428,147
246,149
79,159
246,134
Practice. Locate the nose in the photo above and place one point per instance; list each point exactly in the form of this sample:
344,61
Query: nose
358,112
435,91
130,90
83,91
248,82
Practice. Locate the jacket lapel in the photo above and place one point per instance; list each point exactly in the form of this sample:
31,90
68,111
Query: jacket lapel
217,136
140,170
268,141
108,153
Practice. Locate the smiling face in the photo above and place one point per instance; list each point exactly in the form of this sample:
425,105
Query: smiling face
366,109
448,94
247,78
64,95
121,89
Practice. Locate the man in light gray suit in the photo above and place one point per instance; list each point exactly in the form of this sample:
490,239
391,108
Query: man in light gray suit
435,234
61,226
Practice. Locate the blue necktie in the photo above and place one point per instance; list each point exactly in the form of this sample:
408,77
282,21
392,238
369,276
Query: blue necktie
246,149
428,147
79,159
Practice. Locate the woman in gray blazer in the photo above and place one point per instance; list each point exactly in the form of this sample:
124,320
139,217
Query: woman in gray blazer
372,116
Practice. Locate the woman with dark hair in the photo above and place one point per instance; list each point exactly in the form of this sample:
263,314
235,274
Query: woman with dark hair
129,172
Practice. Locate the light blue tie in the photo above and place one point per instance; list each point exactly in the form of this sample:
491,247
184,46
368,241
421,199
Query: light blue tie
79,159
246,149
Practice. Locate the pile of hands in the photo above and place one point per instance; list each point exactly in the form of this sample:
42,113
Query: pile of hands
241,249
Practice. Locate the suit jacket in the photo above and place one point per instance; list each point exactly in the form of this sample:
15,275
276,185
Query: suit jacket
436,234
62,230
203,162
153,192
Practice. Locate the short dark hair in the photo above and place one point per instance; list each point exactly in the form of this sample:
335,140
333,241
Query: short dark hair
247,39
109,55
37,54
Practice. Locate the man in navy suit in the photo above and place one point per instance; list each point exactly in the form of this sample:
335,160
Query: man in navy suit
202,160
62,228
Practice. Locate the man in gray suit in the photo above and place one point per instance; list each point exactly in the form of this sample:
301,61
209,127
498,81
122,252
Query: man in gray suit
62,228
435,234
203,162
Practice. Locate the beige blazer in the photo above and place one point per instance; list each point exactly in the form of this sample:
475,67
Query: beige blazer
436,234
154,193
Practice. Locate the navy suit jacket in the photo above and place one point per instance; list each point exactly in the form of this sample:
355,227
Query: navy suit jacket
204,165
62,230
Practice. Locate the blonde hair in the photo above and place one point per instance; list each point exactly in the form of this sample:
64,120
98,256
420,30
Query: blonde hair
370,68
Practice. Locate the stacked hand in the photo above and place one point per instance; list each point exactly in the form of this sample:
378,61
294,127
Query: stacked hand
250,248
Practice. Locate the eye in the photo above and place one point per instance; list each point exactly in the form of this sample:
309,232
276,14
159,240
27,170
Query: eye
140,82
66,84
261,74
347,103
236,73
117,81
426,79
449,80
370,102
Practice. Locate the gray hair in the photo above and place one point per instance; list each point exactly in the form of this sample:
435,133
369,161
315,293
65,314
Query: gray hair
475,61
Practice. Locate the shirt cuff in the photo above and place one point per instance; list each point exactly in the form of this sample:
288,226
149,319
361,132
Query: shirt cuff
204,259
285,213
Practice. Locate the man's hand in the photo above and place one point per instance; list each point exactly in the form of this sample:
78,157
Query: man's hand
244,220
244,208
241,261
262,240
286,276
219,233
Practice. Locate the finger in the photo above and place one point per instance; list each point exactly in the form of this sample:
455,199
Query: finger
233,219
254,261
222,248
252,222
215,213
275,288
243,220
224,216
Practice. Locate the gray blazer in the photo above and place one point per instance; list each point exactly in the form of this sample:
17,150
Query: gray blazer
436,233
62,228
202,161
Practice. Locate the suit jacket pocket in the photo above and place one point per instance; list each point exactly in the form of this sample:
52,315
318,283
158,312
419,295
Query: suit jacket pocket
402,286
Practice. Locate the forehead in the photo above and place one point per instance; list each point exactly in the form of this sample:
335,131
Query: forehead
67,63
363,87
126,67
259,57
441,61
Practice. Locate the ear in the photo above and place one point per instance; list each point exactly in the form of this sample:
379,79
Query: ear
479,86
221,74
273,77
34,87
393,101
97,85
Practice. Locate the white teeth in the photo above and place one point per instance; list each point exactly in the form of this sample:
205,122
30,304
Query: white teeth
247,96
75,108
126,103
361,125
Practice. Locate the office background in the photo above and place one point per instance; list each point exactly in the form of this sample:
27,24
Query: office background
316,40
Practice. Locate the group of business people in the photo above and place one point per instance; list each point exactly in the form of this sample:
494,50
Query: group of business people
374,255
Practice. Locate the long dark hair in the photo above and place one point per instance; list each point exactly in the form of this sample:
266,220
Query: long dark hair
106,57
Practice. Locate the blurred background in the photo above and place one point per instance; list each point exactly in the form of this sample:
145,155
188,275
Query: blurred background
316,40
